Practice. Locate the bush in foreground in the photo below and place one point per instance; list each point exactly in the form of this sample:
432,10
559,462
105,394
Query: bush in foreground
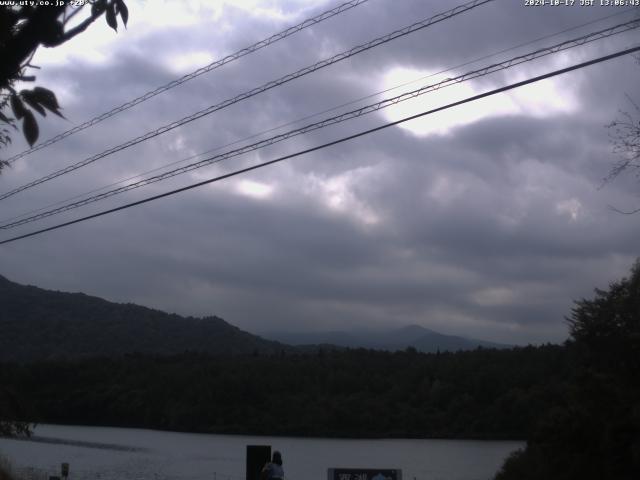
595,434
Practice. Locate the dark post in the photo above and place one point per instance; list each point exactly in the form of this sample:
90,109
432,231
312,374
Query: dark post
64,470
257,456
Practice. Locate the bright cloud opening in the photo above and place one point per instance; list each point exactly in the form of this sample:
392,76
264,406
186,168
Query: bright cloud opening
496,296
338,195
187,62
254,189
572,208
539,100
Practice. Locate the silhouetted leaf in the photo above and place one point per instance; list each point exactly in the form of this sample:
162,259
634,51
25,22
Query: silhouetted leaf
30,128
122,9
51,33
97,8
47,99
32,101
17,106
111,17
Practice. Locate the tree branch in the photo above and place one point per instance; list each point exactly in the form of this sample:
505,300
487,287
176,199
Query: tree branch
68,35
72,14
21,45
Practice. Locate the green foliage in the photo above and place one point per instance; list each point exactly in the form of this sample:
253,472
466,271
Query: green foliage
39,324
38,99
352,393
24,28
607,328
5,469
595,433
13,414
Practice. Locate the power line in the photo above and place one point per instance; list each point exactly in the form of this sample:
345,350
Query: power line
518,60
267,86
190,76
307,117
332,143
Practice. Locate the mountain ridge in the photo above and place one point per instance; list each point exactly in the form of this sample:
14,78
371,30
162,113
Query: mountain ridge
392,339
39,324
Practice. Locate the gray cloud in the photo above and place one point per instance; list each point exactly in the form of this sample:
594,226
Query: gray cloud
491,229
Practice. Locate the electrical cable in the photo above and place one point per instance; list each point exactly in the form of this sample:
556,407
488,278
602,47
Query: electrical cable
518,60
190,76
255,91
307,117
329,144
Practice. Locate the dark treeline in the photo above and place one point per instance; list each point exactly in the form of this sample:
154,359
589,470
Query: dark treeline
477,394
593,431
578,405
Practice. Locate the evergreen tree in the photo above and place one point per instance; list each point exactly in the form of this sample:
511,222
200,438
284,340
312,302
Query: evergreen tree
595,432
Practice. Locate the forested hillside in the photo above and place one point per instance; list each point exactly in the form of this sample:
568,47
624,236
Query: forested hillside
38,324
577,404
359,393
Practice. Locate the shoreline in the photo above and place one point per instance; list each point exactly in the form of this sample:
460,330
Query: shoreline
44,439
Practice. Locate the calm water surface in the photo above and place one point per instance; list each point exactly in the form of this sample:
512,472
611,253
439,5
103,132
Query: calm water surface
123,453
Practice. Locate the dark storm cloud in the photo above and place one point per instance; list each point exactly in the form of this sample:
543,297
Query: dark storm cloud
491,229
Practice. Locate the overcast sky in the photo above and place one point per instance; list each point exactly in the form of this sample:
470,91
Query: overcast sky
486,221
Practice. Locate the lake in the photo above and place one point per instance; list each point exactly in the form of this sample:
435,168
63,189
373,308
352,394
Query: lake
124,453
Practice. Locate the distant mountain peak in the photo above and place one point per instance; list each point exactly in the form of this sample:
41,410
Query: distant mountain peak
414,327
392,339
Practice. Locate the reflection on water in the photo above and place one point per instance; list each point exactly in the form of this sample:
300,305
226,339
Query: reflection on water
81,443
117,453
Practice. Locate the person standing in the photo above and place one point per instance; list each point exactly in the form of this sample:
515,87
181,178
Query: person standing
273,470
